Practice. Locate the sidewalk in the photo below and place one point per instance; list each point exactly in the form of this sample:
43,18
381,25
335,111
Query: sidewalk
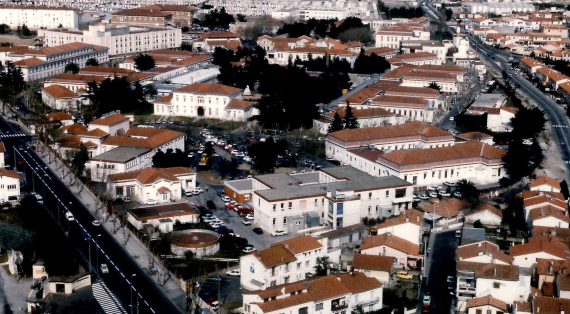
169,284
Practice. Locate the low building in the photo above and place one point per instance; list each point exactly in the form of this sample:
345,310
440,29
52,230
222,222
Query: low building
331,294
417,58
473,160
161,184
239,190
413,108
335,197
445,211
483,252
375,266
446,81
405,253
283,262
9,185
545,184
366,118
407,226
59,97
153,215
486,304
487,214
208,42
200,242
156,15
544,247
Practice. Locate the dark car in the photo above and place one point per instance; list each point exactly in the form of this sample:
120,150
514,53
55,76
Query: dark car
258,230
210,204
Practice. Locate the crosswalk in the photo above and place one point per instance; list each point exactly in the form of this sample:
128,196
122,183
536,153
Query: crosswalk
560,126
106,299
13,135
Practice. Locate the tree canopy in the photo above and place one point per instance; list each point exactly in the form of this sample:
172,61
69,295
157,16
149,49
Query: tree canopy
115,94
144,62
11,82
91,62
170,158
79,160
218,18
371,64
71,67
350,121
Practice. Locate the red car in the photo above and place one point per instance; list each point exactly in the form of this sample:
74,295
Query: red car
231,207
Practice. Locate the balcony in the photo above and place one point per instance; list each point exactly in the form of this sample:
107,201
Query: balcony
338,304
466,288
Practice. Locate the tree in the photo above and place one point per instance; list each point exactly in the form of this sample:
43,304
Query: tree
434,85
25,31
528,122
186,46
337,124
79,160
321,266
91,62
469,191
144,62
241,18
371,64
71,68
361,34
350,121
170,159
478,224
185,29
150,90
11,83
4,29
218,18
115,94
60,25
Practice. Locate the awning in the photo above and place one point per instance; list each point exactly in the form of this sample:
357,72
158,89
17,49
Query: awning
257,283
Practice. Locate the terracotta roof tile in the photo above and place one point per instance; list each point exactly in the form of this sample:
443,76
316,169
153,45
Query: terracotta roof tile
165,99
548,211
142,12
208,88
58,116
274,256
236,103
151,175
412,90
543,200
391,241
28,61
472,250
550,305
446,208
373,262
412,216
498,271
104,70
544,180
487,300
9,173
562,233
486,207
109,120
469,149
413,128
95,133
58,91
66,77
547,245
543,266
399,101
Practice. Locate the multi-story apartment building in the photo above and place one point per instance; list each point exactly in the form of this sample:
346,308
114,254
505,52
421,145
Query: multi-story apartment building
41,63
394,36
120,40
36,17
283,262
335,294
156,15
336,197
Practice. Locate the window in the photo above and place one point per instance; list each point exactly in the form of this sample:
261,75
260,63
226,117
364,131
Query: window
370,195
496,285
387,193
284,221
318,306
274,221
303,310
478,311
274,207
377,209
339,222
339,208
400,193
119,190
290,205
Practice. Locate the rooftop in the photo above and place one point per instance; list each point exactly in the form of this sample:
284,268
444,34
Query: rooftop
121,154
163,211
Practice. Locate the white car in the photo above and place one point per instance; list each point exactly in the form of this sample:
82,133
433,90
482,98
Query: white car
39,198
446,194
415,198
449,183
234,272
215,225
457,194
434,188
69,216
188,193
96,223
209,219
427,299
423,197
278,233
432,194
104,269
245,221
249,250
215,306
249,216
191,155
226,198
151,202
197,191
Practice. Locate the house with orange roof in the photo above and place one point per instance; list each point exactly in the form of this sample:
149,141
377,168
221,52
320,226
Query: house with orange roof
538,199
448,82
413,108
345,292
164,185
548,216
545,184
394,35
416,58
283,262
487,214
445,211
406,254
407,225
375,266
473,160
545,247
206,100
483,252
486,304
62,117
433,96
61,98
208,42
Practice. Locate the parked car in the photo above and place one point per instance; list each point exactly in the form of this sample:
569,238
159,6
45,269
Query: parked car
434,188
450,279
415,198
69,216
151,202
127,199
234,272
39,198
226,198
249,216
278,233
449,183
258,230
458,233
216,278
249,250
96,223
423,196
188,193
245,221
457,194
404,275
432,194
427,299
446,194
104,269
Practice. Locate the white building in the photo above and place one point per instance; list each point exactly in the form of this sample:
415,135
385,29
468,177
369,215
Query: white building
120,40
322,14
331,294
61,98
446,81
375,266
337,197
473,160
501,8
545,184
162,216
283,262
36,17
487,214
483,252
407,226
406,254
394,36
544,246
9,184
161,184
41,63
206,100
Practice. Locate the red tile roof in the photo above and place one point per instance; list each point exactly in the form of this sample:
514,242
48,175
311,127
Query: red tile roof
544,180
536,244
550,305
412,216
95,133
413,128
151,175
373,262
485,247
58,91
391,241
145,138
109,120
487,300
486,207
58,116
28,61
9,173
446,208
236,103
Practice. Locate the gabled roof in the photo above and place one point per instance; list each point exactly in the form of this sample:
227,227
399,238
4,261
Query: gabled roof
58,91
58,116
548,211
73,128
208,88
373,262
109,120
151,175
544,180
412,216
393,131
547,244
486,207
9,173
446,208
391,241
550,267
95,133
165,99
550,305
487,300
236,103
274,255
543,200
490,270
28,62
302,244
475,249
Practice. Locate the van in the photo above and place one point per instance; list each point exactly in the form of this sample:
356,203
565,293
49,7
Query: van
458,233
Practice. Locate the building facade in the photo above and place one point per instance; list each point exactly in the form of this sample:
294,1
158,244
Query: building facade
36,17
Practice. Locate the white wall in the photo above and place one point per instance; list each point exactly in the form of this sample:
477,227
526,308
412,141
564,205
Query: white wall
35,18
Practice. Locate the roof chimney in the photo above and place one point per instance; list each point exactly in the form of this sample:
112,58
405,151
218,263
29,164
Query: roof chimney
495,270
550,269
458,33
338,277
407,219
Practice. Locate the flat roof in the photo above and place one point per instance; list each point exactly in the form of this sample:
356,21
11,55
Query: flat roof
121,154
163,211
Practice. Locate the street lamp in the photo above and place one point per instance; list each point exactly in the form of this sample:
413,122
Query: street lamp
97,249
132,292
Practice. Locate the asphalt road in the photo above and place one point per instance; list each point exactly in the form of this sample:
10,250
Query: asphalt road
58,199
440,263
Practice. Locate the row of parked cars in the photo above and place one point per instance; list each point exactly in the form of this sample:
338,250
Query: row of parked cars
436,191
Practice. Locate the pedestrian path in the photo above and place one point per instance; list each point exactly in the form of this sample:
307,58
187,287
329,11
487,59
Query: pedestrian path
106,299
